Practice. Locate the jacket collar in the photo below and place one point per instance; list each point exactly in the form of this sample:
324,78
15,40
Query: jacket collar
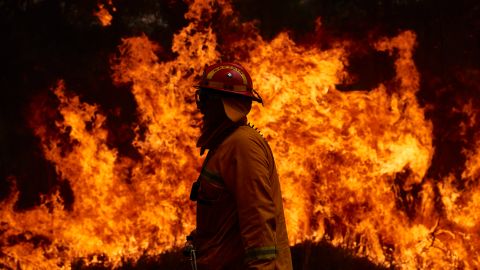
214,136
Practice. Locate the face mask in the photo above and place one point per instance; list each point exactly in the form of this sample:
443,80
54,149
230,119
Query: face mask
211,106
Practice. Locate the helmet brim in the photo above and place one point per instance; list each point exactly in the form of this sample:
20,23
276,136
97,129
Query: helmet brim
247,94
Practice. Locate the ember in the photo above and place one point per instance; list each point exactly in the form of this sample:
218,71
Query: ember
360,169
103,14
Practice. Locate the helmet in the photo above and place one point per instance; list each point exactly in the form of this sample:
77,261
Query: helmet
229,78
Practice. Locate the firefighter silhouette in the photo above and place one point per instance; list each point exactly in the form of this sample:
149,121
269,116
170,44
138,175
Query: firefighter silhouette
240,218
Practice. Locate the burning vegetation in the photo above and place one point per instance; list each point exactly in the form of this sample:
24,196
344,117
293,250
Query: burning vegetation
376,139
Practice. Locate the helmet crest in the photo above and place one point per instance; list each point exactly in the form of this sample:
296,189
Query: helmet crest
230,78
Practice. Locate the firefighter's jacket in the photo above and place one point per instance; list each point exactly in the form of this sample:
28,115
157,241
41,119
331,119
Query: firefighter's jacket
240,219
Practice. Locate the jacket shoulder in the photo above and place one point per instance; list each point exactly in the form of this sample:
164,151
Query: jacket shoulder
245,141
245,136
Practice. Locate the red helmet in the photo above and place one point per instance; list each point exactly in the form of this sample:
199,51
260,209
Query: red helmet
229,78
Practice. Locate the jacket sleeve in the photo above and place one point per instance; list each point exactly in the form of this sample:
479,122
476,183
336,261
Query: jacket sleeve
246,175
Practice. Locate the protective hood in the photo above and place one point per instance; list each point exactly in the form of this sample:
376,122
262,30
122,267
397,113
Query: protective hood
236,108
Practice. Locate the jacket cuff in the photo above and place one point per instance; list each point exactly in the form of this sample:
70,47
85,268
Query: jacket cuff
266,252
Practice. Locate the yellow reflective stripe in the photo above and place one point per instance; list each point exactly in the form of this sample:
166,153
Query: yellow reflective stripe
212,177
269,252
236,87
215,84
244,78
239,88
215,70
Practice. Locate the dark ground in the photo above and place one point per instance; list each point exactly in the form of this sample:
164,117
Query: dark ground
318,256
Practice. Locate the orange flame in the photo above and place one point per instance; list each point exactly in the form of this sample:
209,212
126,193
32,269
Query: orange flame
348,162
103,14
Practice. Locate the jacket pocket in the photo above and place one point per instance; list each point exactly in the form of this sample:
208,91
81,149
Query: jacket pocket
212,188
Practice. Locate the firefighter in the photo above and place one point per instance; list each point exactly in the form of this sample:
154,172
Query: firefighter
240,219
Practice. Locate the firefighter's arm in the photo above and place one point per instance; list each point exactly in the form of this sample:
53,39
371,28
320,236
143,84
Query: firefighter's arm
247,176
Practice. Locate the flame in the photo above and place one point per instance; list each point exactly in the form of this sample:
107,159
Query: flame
103,14
352,165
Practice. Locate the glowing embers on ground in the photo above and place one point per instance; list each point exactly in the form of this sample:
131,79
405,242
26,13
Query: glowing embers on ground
352,165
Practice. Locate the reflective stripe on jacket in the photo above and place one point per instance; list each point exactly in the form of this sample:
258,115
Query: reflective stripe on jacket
240,219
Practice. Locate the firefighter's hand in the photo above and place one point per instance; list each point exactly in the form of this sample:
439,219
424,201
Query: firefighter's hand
189,247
